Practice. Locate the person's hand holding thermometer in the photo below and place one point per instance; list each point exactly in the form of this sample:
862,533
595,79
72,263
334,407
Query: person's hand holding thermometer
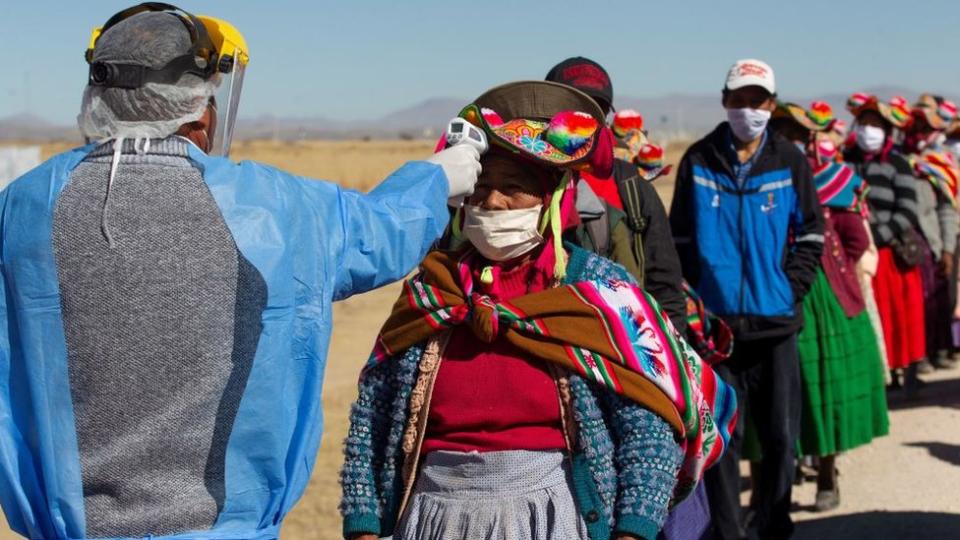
461,159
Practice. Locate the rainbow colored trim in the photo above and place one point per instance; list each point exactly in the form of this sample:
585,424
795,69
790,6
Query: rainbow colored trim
941,169
821,114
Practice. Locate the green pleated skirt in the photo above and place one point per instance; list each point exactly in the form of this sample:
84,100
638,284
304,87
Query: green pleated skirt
844,396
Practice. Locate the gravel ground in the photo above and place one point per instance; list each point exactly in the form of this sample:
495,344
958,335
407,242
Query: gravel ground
903,486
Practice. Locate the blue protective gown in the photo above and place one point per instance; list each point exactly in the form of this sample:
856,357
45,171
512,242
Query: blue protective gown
313,242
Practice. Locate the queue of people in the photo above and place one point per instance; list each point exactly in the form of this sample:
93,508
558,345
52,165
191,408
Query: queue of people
568,361
770,243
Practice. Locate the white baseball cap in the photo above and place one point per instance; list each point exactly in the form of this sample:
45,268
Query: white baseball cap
751,72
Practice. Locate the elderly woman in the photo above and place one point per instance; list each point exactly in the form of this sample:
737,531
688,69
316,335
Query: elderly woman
522,387
898,286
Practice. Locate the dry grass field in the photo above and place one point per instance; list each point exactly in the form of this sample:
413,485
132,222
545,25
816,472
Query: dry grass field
361,165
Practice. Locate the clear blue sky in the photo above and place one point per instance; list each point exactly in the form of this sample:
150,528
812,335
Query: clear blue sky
363,58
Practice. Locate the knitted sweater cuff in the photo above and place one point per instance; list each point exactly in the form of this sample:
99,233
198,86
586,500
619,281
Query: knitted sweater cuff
367,523
638,526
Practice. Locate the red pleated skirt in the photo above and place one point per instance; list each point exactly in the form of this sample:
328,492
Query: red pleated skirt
899,297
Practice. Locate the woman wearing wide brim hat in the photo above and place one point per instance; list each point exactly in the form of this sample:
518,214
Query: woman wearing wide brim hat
952,145
792,119
523,387
937,173
830,138
892,199
844,402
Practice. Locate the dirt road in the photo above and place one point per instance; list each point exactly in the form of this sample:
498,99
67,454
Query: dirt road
903,486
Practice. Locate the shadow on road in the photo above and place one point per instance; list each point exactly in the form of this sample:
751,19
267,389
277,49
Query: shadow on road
877,525
939,393
942,451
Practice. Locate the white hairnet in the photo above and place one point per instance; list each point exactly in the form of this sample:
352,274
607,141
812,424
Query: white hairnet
153,110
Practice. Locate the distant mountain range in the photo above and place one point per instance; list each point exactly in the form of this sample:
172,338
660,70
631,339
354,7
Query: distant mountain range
27,127
673,116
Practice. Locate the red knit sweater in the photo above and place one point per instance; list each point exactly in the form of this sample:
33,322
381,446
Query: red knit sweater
487,397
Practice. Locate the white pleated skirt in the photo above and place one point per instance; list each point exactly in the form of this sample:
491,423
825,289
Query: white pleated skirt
512,495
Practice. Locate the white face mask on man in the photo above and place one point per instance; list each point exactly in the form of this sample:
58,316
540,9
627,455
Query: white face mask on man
501,235
748,124
870,139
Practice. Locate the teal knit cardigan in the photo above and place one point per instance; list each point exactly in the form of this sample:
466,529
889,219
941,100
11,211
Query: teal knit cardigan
624,470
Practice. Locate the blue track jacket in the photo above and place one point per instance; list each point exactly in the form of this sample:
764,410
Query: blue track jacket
751,250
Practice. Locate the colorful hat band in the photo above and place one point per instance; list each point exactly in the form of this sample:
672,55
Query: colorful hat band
650,156
566,139
626,121
900,110
857,100
794,112
821,114
947,110
897,112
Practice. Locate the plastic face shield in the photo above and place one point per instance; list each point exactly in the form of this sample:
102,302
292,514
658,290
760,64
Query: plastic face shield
234,58
227,102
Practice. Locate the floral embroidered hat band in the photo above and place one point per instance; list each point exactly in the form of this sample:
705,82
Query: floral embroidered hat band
550,124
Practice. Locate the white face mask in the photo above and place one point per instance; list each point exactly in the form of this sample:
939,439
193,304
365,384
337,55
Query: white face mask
870,139
748,124
501,235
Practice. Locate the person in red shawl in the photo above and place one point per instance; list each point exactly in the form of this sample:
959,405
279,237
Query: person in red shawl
523,387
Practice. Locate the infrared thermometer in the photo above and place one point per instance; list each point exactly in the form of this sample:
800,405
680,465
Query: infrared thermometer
459,131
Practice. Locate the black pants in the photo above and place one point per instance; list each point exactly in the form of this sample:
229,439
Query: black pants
938,302
766,375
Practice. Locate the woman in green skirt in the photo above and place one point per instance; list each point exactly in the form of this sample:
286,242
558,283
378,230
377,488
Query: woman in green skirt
844,400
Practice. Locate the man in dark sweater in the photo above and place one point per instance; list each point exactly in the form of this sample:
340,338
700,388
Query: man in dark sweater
749,233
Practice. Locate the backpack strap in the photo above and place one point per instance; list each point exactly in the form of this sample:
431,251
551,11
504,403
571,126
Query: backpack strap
628,185
598,230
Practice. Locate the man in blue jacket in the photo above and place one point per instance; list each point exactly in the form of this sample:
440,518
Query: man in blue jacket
749,234
165,313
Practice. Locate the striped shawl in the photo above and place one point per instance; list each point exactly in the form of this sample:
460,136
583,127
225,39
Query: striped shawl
610,332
